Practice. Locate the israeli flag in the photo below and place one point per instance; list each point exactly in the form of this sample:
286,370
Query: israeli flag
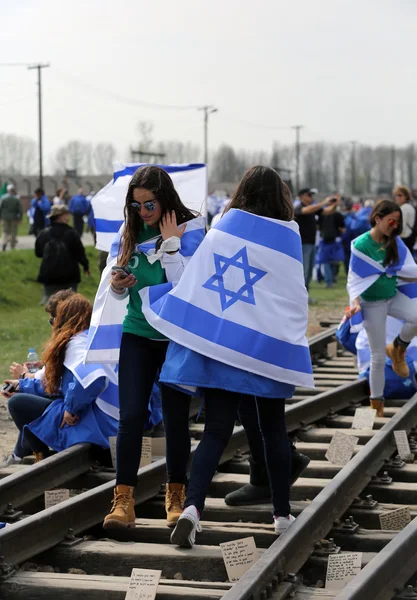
241,300
364,272
106,326
108,401
190,181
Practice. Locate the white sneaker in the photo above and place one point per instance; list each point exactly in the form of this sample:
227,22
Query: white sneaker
187,526
10,459
281,524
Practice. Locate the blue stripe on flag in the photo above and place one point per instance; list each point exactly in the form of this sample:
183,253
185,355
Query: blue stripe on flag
361,267
84,370
191,240
263,232
106,226
229,335
105,337
111,395
409,290
168,168
356,319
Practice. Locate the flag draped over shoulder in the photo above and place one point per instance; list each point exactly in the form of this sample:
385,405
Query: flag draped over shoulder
105,331
190,181
108,401
242,299
364,271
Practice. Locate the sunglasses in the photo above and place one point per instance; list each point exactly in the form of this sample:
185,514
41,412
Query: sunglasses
393,222
150,205
51,321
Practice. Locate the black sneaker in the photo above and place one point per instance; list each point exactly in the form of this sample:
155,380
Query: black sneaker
249,494
299,462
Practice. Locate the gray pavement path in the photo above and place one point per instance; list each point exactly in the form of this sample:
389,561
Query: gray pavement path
27,242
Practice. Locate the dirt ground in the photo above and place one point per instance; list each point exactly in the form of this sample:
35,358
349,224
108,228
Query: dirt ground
8,431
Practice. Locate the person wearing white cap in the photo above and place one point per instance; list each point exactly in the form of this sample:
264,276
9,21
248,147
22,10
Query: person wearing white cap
10,215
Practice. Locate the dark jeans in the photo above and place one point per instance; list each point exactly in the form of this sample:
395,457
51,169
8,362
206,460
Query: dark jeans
79,223
140,362
221,411
309,255
25,408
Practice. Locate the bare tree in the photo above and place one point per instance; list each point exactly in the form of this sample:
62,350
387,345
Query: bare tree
17,154
75,155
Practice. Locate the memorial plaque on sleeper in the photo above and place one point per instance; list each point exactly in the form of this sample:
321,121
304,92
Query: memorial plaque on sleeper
342,568
53,497
158,446
395,520
112,442
403,446
146,457
143,584
239,556
332,349
364,418
341,448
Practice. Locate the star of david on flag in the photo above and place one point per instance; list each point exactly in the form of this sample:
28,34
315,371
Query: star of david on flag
251,274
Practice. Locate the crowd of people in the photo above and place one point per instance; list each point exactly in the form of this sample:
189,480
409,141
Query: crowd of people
174,309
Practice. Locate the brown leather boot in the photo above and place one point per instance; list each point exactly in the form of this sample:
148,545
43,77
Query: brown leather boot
397,354
174,502
122,514
378,405
38,457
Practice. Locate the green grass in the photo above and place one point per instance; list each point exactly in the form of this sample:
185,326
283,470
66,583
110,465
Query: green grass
333,297
23,228
23,322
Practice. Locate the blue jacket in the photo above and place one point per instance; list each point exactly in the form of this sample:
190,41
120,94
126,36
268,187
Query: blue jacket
43,204
79,205
94,425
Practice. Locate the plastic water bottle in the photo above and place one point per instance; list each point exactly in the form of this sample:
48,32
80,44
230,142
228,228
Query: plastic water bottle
31,361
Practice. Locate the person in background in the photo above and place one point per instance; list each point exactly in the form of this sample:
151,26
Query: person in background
10,214
59,197
305,213
330,251
79,206
403,198
39,208
349,215
373,289
61,250
91,222
60,409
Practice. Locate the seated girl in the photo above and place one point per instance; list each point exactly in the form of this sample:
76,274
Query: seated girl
81,405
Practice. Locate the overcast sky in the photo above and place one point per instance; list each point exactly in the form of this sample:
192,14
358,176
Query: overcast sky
346,69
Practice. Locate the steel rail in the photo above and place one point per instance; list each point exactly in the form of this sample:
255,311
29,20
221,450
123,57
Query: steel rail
289,552
27,484
389,570
44,530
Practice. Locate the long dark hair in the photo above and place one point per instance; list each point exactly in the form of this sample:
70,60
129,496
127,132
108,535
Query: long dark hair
381,209
157,181
261,191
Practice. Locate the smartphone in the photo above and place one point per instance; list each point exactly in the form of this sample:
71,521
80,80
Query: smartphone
8,387
123,270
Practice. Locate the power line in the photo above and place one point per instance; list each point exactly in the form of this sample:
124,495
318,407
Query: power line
128,100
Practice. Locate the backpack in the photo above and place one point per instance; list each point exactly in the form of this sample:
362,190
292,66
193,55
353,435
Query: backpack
56,256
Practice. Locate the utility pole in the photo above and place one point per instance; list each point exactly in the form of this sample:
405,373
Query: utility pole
208,110
297,128
353,168
39,68
393,165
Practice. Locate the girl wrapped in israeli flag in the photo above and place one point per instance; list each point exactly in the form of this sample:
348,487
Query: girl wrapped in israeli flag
69,402
154,245
238,319
382,281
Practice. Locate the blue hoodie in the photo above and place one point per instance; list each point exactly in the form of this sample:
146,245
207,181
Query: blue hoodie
79,205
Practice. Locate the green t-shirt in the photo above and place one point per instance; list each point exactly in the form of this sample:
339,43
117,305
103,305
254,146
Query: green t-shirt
384,287
146,274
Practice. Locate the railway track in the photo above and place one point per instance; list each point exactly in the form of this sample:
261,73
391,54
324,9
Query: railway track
40,541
